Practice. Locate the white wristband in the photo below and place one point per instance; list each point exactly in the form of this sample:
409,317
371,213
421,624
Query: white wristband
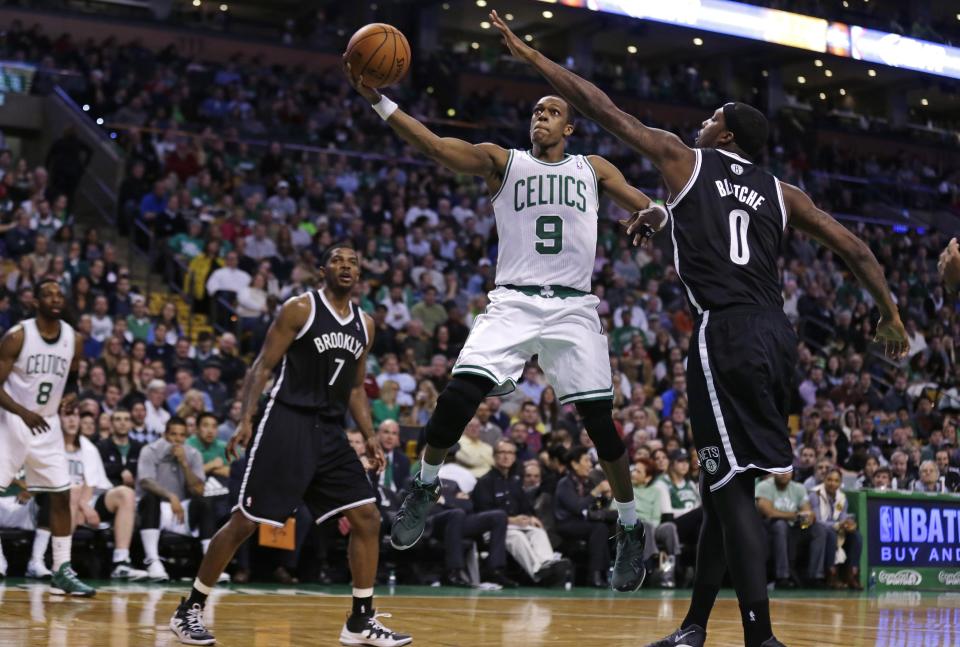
384,107
666,216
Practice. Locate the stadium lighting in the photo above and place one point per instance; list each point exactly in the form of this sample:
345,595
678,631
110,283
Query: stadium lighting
99,121
801,80
827,73
475,45
528,38
843,92
818,63
508,16
632,49
224,7
924,102
547,14
86,107
484,25
698,41
196,3
429,89
451,112
765,74
823,96
481,3
445,6
871,73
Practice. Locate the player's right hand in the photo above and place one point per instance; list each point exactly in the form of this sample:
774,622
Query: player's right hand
949,265
368,93
643,225
177,508
240,437
35,422
893,336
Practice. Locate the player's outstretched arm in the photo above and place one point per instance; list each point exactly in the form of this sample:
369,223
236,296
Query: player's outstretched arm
668,153
805,216
293,315
486,160
9,351
359,404
643,210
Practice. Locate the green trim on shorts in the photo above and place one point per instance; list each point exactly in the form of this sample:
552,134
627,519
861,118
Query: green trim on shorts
63,488
473,369
596,394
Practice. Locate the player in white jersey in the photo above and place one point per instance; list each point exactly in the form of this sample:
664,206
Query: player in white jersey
546,204
38,358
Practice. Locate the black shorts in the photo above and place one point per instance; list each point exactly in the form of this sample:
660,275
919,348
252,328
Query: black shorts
297,457
739,380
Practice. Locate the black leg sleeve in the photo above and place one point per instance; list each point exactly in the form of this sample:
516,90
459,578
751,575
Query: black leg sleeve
149,509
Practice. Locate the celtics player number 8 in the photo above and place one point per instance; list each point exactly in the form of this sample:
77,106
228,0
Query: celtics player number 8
550,233
43,392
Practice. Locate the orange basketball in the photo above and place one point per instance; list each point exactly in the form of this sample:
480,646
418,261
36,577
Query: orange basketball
379,53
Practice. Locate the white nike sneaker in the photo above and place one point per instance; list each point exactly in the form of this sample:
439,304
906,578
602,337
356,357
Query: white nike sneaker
123,571
374,634
38,570
224,578
156,572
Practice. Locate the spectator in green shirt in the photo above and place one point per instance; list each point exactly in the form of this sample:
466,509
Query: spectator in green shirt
138,321
385,407
428,311
789,519
189,244
651,501
622,336
212,449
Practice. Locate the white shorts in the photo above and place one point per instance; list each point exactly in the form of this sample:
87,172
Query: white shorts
168,521
42,455
566,333
14,514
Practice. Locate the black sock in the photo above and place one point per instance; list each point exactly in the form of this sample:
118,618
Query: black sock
362,610
756,622
196,597
701,604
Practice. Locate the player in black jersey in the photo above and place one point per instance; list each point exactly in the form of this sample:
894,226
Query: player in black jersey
300,452
727,218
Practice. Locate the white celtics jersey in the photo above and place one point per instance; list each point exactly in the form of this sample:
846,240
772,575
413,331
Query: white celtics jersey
547,222
40,372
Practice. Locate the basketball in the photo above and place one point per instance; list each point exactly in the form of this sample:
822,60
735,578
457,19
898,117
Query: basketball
379,53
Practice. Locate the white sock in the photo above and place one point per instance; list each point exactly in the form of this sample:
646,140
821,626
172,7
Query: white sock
121,555
428,472
151,544
205,544
628,512
61,551
40,542
363,593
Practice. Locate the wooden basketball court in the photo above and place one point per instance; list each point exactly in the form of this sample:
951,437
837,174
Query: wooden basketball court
262,616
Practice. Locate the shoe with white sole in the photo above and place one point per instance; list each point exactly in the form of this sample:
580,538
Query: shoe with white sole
374,634
224,578
123,571
690,636
38,570
156,572
187,625
66,582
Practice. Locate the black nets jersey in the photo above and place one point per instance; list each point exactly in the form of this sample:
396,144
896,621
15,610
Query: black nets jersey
320,367
727,225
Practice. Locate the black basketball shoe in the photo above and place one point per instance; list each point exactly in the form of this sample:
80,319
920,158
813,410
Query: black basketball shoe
187,625
412,516
628,569
690,636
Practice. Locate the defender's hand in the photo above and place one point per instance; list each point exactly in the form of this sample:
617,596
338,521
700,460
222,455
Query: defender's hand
516,46
375,455
644,225
949,265
240,437
893,336
368,93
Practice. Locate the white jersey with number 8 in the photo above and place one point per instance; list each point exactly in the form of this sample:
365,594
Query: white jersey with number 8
547,222
41,370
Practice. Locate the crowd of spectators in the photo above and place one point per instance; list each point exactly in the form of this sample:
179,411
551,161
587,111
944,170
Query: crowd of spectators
246,224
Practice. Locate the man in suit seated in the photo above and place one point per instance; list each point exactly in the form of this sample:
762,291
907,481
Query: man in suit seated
527,541
396,474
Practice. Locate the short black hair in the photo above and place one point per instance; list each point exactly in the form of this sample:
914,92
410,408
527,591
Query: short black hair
120,409
748,125
575,455
43,281
327,255
174,421
207,414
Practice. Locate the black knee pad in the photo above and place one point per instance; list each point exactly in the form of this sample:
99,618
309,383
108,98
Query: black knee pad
455,406
597,416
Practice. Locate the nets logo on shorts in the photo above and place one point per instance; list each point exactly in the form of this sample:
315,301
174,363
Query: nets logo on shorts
708,459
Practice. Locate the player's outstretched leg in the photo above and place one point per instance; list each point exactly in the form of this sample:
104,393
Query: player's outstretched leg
628,568
187,621
64,580
362,626
456,405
